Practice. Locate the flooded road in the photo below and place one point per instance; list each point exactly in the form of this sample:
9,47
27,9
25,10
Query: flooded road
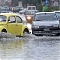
29,47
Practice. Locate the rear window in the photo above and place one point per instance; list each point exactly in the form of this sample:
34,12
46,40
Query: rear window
2,18
45,16
31,8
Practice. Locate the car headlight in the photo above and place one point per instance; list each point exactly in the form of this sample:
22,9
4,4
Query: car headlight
35,27
29,17
56,25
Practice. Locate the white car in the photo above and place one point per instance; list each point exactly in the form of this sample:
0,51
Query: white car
45,23
32,9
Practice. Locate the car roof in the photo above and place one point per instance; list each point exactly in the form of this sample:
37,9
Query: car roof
56,11
7,14
43,12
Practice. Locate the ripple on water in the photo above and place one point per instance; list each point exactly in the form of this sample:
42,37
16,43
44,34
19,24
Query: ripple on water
8,36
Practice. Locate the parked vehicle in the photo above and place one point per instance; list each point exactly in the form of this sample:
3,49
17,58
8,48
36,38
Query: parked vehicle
45,23
12,23
4,10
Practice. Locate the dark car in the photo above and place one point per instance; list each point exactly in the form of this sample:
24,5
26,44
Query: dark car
45,23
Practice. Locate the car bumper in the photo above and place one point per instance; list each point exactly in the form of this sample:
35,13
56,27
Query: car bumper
47,32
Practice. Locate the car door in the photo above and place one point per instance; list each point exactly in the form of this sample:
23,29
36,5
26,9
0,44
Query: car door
19,25
12,27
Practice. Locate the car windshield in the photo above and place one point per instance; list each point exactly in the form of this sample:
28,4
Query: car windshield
30,12
45,17
2,18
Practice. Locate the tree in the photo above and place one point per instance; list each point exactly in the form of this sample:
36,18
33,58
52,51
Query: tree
25,2
15,2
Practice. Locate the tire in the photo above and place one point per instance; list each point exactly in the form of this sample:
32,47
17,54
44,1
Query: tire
58,34
25,34
4,30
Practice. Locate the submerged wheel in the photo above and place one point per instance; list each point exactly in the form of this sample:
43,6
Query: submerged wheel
58,34
4,30
25,32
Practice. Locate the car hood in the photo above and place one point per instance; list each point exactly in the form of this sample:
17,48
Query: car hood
45,23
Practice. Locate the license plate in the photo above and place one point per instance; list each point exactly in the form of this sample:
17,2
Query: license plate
47,29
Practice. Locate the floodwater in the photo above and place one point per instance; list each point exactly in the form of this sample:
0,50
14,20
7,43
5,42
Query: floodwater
29,47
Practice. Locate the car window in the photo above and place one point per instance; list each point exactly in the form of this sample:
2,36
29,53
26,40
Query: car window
44,17
19,20
2,18
11,19
33,8
29,8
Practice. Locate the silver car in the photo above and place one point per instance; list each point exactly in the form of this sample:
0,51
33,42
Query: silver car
45,23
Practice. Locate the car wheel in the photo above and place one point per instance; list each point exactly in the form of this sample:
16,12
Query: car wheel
25,34
58,34
4,30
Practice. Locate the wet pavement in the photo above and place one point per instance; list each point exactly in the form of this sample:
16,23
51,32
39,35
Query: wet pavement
29,47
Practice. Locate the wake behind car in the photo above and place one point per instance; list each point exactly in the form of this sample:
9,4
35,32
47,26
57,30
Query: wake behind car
12,23
45,23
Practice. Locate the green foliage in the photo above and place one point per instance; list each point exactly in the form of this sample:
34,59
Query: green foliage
45,8
52,9
49,9
39,7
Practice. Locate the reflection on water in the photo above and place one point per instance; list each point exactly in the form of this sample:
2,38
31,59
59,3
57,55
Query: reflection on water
29,47
11,49
43,50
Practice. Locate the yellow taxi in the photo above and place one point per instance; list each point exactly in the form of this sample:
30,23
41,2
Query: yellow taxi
12,23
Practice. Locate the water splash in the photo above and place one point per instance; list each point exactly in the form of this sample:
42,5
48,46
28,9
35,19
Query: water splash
8,36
